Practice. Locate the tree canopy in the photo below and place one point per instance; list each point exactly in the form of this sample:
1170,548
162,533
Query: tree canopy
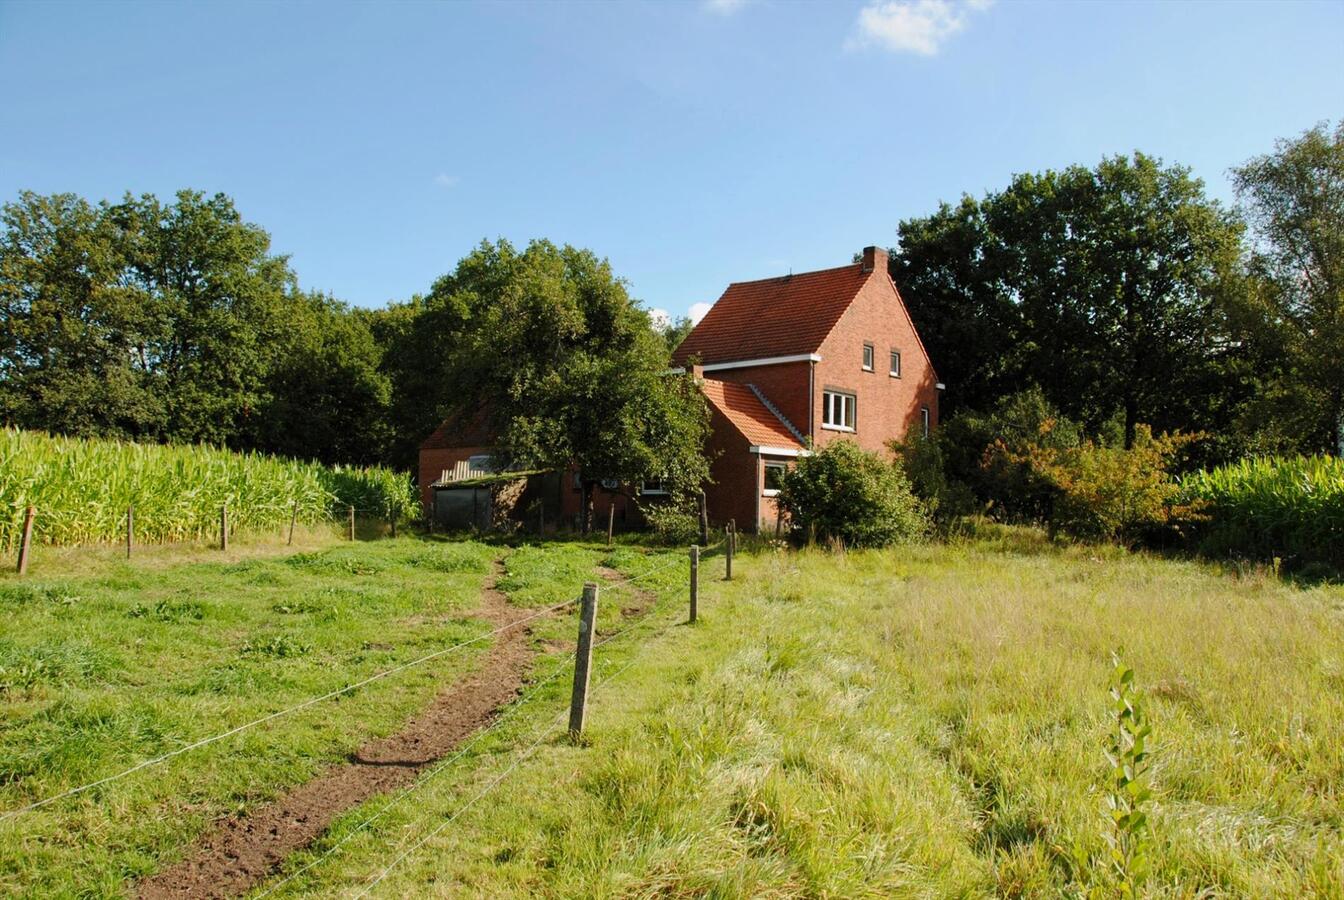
1105,287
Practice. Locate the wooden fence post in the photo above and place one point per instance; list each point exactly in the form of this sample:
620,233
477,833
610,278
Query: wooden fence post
224,526
611,521
130,529
583,659
695,582
352,523
293,517
26,539
704,521
728,543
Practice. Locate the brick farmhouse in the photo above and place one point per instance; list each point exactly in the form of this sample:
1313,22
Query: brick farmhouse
786,364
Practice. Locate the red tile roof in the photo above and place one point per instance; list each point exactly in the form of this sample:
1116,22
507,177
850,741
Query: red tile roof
740,406
774,317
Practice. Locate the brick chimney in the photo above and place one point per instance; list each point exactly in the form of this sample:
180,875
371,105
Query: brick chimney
874,257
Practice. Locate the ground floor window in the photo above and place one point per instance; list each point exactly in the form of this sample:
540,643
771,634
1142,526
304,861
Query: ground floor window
774,477
654,487
837,410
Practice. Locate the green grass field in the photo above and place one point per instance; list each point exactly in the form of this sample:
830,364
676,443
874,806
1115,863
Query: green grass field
925,721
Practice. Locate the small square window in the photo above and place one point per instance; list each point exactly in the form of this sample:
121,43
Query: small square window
774,478
895,369
867,357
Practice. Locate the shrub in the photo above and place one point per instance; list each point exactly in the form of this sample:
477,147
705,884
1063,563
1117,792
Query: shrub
844,493
674,524
1105,493
1291,508
925,464
983,455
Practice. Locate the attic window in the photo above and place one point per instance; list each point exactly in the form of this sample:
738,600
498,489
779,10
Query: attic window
895,370
867,357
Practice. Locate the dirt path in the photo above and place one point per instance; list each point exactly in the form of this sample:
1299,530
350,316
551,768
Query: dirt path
239,852
643,599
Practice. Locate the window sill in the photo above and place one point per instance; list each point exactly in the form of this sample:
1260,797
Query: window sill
894,374
838,428
653,493
867,368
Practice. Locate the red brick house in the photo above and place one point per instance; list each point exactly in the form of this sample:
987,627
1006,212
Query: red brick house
801,360
786,364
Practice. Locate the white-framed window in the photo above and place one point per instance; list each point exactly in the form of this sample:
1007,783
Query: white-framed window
924,416
480,464
895,369
837,410
653,488
774,477
867,357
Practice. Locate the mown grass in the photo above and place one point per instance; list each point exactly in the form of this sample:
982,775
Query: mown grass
927,721
119,662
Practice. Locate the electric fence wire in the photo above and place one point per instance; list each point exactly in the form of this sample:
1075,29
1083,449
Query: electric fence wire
17,811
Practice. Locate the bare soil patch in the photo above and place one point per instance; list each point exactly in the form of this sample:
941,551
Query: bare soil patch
241,851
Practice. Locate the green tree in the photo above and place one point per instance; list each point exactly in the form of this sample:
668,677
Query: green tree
221,304
326,397
1107,287
566,366
1295,201
69,324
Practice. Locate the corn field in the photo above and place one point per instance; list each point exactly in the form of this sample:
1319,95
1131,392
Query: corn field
81,489
1290,508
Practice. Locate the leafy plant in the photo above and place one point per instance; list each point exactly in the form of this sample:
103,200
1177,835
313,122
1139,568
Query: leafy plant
845,493
1105,493
674,524
1128,792
1273,507
82,487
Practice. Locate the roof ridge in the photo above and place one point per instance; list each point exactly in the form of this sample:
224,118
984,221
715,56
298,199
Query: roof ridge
795,274
765,401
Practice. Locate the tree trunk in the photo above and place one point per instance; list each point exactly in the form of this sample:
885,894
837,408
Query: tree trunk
1131,421
587,512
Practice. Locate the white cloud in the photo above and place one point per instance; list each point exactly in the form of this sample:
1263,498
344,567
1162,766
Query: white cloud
698,311
723,7
661,317
913,26
444,180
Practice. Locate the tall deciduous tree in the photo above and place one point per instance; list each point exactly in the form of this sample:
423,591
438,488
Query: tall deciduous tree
1103,286
548,343
1295,200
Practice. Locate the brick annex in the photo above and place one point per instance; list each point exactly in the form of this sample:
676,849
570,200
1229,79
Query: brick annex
786,364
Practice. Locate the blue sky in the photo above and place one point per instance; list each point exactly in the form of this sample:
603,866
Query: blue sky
691,143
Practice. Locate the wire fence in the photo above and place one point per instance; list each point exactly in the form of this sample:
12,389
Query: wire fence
536,690
312,701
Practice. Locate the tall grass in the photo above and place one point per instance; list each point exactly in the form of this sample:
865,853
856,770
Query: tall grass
81,489
1291,508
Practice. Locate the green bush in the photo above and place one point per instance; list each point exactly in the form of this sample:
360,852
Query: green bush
1110,493
983,455
673,524
844,493
1292,508
925,463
